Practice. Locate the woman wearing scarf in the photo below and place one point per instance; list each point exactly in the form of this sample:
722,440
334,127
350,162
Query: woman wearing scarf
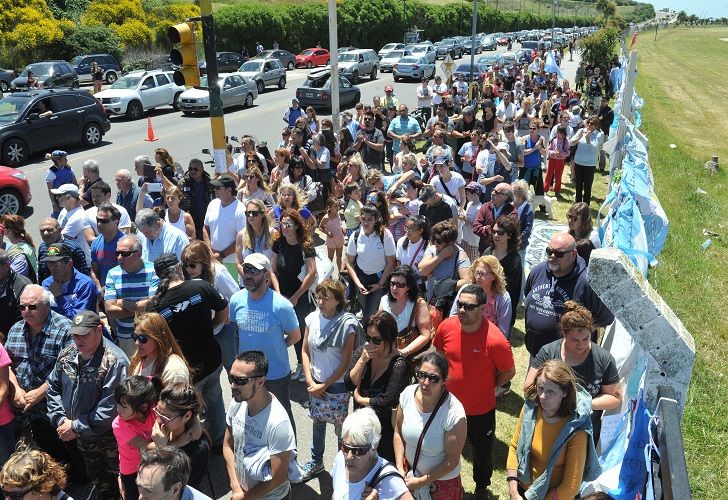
328,344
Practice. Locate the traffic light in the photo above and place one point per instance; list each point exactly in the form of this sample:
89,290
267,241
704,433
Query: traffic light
185,55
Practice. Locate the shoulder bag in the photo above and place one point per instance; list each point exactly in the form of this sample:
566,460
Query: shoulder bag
409,334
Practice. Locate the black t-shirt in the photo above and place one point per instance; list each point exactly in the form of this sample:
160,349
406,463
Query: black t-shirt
368,154
463,127
199,454
598,369
438,212
187,309
288,265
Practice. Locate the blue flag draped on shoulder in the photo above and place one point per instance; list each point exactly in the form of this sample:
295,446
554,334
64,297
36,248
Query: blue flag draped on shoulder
551,66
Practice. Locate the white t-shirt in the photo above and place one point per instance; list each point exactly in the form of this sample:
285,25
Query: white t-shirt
485,163
73,224
437,98
456,181
506,112
424,96
471,211
370,252
389,488
432,452
224,223
225,284
124,221
461,87
323,363
404,256
270,428
174,371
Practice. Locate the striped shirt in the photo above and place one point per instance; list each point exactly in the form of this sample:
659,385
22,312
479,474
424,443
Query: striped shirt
132,286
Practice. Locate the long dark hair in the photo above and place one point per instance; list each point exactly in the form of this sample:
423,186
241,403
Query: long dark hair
421,222
510,226
373,211
166,275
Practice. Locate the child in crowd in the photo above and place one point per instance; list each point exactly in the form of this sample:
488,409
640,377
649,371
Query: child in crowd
470,240
352,210
334,228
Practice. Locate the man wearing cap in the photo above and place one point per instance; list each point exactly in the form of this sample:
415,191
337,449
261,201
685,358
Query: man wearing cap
293,113
50,232
446,181
158,236
403,127
437,207
127,289
57,175
493,164
33,344
460,85
461,131
72,291
81,405
389,100
12,285
72,218
501,203
266,322
129,193
224,219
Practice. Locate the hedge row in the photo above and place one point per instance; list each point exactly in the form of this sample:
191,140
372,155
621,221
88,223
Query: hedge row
362,23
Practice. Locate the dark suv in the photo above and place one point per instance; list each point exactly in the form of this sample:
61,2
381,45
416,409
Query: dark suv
227,62
50,74
108,63
40,120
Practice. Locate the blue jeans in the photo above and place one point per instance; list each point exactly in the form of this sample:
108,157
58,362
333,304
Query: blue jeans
215,408
7,441
228,340
318,443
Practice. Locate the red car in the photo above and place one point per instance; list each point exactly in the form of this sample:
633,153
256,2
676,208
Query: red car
313,57
14,190
503,40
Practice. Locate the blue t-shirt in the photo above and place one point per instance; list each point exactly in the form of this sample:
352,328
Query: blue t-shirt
103,253
262,325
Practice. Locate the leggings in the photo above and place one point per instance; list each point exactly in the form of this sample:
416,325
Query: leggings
583,180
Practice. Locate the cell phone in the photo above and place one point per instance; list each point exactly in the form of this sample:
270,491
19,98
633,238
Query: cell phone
154,187
149,171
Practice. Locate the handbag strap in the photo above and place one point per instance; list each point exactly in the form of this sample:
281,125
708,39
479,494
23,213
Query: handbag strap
412,315
417,252
440,402
445,187
378,476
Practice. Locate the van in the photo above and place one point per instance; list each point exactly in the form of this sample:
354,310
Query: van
355,63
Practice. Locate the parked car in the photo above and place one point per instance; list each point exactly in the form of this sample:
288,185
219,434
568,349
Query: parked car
390,59
82,66
287,59
14,191
355,63
264,72
341,50
388,48
426,50
226,62
489,43
490,60
449,46
468,46
26,128
6,76
413,67
235,90
316,91
139,91
313,57
464,69
50,74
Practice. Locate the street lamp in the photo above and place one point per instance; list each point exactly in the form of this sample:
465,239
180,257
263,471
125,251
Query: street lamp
553,22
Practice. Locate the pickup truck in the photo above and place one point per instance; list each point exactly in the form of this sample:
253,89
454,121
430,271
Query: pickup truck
140,91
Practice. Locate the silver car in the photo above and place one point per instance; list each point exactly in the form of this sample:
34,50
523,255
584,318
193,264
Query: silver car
426,50
287,59
390,59
264,72
413,67
235,90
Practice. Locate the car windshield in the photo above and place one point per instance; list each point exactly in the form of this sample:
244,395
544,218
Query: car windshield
389,46
417,50
396,53
252,66
126,82
76,60
408,60
11,107
488,60
317,83
348,57
307,52
203,82
264,54
38,69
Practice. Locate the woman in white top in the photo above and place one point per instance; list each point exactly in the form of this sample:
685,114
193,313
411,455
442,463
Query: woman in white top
198,263
157,351
358,470
255,237
449,182
402,300
411,247
438,460
328,344
253,186
174,215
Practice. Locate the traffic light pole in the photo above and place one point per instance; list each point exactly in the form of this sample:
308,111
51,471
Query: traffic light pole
217,120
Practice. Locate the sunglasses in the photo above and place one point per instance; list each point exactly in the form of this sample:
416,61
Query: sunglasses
241,381
288,225
467,307
357,451
374,340
532,128
253,213
556,253
102,221
142,339
252,270
499,232
125,253
191,265
438,241
251,177
29,307
164,418
572,218
398,284
430,377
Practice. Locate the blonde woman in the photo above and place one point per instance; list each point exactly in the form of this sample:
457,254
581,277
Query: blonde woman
291,196
256,237
174,215
356,171
253,187
33,474
157,352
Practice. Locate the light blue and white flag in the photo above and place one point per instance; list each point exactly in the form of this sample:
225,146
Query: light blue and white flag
551,66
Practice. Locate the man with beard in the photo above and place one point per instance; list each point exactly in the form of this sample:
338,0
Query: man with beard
257,423
549,285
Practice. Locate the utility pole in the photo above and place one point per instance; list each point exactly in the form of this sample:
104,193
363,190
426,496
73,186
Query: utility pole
472,49
217,119
553,23
334,63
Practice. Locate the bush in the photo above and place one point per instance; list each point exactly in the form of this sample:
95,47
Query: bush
94,40
598,48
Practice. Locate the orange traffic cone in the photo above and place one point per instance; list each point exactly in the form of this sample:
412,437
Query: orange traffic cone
150,131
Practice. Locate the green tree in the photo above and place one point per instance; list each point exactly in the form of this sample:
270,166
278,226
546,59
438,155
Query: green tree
598,48
94,40
682,17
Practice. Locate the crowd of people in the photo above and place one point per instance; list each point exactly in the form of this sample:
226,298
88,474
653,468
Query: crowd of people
118,326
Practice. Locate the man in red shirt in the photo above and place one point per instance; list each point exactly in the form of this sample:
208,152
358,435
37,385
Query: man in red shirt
475,346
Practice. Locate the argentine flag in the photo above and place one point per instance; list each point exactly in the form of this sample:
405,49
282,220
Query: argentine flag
551,66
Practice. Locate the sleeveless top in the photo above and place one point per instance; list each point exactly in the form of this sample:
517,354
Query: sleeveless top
180,224
532,160
403,317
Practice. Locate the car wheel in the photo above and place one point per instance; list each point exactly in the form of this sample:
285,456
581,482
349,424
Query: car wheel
355,77
110,77
248,100
282,83
187,113
374,73
291,65
328,61
15,152
175,101
92,135
396,78
309,65
4,86
261,86
10,202
134,110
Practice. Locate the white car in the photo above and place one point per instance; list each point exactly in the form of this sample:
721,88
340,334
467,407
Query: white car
391,58
139,91
235,90
425,50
